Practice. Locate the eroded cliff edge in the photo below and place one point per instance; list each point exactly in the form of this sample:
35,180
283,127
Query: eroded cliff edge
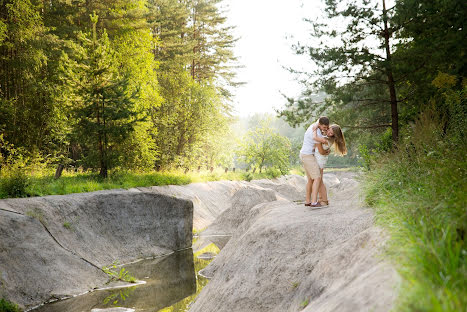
55,246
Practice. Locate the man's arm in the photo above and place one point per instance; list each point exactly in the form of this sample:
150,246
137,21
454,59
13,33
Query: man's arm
315,134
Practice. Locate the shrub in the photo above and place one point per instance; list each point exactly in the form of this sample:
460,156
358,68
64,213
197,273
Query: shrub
14,183
418,192
7,306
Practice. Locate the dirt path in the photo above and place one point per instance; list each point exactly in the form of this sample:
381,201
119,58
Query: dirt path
284,256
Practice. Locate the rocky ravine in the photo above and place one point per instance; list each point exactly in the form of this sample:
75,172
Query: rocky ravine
278,254
283,256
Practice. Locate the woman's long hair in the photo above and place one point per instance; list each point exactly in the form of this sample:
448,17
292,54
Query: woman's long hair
339,140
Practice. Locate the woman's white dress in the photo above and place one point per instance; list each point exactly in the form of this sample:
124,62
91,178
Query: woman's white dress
321,159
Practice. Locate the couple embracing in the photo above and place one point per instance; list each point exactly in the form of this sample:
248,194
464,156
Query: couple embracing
318,140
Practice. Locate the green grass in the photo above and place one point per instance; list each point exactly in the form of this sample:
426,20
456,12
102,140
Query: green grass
7,306
41,184
419,194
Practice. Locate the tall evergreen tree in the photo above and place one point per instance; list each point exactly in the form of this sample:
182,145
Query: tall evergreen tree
103,106
29,115
192,48
213,42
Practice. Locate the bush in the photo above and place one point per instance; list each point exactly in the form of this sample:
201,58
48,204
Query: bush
14,183
7,306
419,195
273,173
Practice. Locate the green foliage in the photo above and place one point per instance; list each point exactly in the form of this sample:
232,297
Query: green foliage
119,297
262,147
353,81
14,183
29,116
103,105
89,182
192,122
120,275
366,157
431,36
304,303
88,94
419,195
7,306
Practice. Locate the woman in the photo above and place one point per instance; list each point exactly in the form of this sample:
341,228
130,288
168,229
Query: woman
334,137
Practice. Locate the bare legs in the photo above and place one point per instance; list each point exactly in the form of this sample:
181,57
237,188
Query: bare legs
309,185
315,187
314,190
312,187
323,193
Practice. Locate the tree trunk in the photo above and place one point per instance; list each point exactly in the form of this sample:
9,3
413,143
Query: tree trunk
391,84
58,172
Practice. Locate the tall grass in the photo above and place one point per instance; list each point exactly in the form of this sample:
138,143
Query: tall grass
419,193
24,183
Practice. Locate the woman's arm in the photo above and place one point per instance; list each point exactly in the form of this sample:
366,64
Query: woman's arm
321,149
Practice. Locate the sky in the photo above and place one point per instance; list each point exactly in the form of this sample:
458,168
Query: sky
266,30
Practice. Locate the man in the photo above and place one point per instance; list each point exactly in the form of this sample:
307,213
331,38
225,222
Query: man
312,136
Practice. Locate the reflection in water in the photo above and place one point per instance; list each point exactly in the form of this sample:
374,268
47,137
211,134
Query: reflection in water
168,280
200,264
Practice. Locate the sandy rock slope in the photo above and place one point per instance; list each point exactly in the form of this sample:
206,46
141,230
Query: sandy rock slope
283,256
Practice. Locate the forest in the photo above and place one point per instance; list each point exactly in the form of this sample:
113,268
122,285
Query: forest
114,84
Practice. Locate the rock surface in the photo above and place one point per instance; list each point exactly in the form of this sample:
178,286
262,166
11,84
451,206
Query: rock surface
277,255
288,257
211,199
55,246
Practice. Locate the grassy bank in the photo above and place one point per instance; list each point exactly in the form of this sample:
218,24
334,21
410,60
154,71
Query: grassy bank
25,183
419,193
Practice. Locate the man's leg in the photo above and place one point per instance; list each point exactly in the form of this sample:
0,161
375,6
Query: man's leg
315,174
309,185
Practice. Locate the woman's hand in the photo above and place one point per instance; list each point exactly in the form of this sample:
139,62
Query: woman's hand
321,150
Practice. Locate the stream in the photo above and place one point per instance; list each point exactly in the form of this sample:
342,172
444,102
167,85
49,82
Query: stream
171,284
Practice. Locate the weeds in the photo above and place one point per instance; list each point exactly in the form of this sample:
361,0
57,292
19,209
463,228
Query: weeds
7,306
419,194
14,184
121,275
44,184
304,303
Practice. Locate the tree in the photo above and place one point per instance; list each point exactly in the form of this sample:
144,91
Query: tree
263,147
103,108
29,114
213,42
431,36
355,64
192,48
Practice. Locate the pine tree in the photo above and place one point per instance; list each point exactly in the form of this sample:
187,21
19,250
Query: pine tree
213,43
355,71
103,107
29,115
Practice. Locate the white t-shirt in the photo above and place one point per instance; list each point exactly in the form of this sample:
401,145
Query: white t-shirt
308,147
